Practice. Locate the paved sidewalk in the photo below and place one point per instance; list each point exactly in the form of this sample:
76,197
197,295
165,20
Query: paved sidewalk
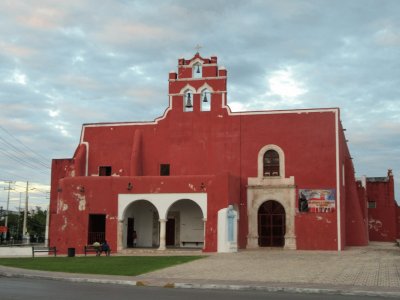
372,270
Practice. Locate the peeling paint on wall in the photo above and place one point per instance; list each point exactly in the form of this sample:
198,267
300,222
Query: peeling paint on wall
156,190
61,206
374,224
322,218
65,224
82,201
82,204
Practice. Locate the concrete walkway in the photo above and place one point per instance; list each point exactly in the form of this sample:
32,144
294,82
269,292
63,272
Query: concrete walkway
372,270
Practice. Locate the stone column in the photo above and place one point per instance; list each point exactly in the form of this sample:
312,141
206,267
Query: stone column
290,209
204,233
163,230
252,236
120,230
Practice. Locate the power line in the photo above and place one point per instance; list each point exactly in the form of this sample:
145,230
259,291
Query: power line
16,151
12,175
22,161
39,157
31,159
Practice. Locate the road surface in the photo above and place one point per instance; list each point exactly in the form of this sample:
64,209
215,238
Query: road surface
42,289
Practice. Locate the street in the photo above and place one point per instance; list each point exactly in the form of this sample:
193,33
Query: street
32,289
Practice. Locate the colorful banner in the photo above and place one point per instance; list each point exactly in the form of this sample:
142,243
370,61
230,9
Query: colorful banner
3,229
322,200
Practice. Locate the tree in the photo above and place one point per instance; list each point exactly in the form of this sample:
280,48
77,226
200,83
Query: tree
36,224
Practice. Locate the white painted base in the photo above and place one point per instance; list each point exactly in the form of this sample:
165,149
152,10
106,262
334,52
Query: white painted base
225,244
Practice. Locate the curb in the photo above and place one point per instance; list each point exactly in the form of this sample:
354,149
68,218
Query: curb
294,290
211,286
69,279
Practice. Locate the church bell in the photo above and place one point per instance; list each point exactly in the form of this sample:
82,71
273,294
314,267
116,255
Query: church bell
188,102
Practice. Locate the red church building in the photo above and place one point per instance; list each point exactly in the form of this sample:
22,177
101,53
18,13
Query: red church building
204,176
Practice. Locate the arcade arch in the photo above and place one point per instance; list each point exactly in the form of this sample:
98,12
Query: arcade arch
142,218
148,215
185,224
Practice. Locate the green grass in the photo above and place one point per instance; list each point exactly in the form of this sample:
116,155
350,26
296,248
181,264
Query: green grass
111,265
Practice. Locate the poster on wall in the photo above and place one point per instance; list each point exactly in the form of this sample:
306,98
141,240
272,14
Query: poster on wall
321,200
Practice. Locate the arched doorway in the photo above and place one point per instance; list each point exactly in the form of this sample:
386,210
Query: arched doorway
185,225
142,218
271,224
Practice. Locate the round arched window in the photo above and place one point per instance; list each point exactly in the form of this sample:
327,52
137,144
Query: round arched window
271,163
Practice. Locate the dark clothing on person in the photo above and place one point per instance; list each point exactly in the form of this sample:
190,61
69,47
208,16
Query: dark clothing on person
105,248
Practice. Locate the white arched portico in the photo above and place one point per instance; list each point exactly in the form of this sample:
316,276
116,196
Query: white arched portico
162,203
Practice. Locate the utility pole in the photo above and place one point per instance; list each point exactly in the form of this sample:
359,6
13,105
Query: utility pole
8,200
24,228
19,214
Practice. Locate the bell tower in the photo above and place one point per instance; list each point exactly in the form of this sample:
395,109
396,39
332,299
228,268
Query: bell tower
198,86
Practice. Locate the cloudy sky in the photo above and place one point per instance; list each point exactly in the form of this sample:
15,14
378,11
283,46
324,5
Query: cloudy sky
65,63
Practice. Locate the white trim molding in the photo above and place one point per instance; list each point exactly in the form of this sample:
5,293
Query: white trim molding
186,88
86,158
260,160
338,200
162,202
205,86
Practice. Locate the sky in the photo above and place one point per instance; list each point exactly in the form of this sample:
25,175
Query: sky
65,63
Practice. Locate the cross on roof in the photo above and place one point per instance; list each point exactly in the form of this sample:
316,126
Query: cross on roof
198,47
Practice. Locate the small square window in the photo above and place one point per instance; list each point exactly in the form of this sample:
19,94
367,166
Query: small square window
371,204
104,171
164,170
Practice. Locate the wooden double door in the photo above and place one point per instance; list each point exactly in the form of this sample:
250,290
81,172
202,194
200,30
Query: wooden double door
271,224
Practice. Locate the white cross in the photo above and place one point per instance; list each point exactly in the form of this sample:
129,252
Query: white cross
198,47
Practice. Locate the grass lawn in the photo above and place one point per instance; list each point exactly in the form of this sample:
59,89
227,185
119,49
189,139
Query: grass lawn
107,265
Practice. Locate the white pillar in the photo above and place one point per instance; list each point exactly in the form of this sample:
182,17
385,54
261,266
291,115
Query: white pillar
163,230
204,233
120,235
